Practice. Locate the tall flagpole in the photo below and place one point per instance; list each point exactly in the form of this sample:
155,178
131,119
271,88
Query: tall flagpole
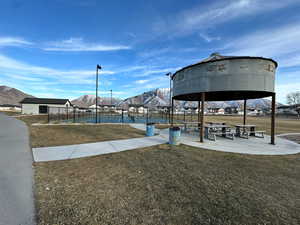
98,67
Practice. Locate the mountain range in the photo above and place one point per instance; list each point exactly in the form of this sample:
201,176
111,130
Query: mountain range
11,96
161,97
151,99
88,100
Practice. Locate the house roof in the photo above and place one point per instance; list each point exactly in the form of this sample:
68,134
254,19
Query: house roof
137,105
108,105
55,101
9,105
295,106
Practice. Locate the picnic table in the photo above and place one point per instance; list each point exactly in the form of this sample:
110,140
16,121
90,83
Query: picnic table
248,130
186,124
218,129
241,129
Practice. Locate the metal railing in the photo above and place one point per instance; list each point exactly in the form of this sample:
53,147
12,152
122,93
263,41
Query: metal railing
88,115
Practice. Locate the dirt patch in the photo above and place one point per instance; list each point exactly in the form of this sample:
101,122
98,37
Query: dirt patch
163,185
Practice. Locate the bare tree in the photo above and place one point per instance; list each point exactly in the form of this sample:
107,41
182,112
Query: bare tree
293,98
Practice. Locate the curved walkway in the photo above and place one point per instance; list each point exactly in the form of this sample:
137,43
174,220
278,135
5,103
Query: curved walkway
16,175
92,149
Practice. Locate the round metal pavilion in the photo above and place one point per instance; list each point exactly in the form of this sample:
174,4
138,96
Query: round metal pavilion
224,78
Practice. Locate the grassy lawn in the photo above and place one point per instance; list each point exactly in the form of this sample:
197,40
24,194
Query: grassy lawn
30,119
162,126
55,135
163,185
11,113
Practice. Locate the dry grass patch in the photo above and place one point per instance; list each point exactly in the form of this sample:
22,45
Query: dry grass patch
162,126
162,185
55,135
11,113
30,119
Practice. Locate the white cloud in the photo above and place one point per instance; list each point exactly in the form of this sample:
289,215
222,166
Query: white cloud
25,78
281,43
200,17
154,52
92,92
283,89
141,81
270,42
78,44
156,71
290,61
13,41
228,10
209,38
26,71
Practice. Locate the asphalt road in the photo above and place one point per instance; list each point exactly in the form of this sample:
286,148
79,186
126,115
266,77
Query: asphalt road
16,174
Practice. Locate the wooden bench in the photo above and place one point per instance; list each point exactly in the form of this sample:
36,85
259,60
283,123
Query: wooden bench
228,134
260,133
244,134
257,133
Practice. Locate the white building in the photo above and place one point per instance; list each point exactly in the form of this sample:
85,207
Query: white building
9,107
136,108
43,105
288,109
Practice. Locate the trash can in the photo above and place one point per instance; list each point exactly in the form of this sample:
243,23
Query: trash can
150,129
174,135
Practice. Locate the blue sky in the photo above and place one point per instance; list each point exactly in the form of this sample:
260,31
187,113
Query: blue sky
51,48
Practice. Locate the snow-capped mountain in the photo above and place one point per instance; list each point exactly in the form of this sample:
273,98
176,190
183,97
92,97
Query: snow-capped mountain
161,97
151,99
88,100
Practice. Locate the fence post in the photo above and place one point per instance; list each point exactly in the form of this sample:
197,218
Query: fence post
48,114
67,113
58,114
73,115
147,115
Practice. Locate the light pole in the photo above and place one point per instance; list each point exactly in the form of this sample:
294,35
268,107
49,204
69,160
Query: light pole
111,109
170,100
97,68
110,98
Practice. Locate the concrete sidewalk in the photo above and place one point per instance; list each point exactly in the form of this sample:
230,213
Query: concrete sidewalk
92,149
16,174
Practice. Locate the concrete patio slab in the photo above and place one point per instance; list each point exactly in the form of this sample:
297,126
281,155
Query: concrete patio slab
253,145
